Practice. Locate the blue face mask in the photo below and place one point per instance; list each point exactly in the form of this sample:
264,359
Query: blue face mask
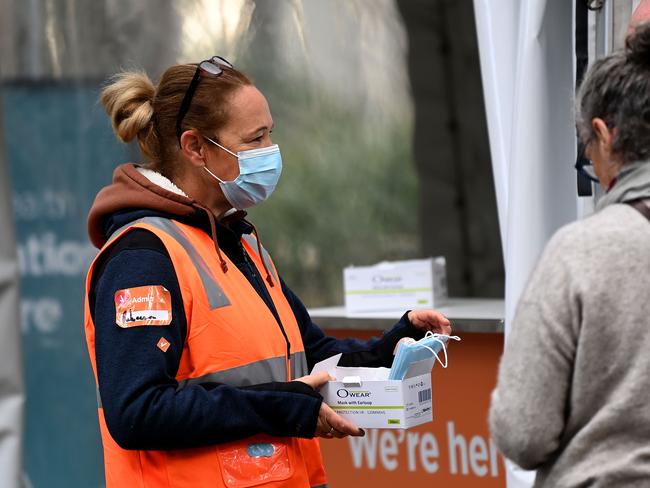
411,352
259,173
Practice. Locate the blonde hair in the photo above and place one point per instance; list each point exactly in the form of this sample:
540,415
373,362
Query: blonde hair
128,100
139,109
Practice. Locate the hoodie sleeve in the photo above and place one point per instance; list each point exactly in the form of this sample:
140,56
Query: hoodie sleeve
143,407
376,352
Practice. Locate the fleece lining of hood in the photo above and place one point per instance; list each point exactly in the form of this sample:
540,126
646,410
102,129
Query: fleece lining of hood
160,180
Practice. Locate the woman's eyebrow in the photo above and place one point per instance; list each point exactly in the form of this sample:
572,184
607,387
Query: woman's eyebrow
261,128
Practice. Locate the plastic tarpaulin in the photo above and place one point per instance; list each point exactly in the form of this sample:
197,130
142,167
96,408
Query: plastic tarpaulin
527,64
11,376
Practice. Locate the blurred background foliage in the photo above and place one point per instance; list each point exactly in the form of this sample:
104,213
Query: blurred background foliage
347,196
336,79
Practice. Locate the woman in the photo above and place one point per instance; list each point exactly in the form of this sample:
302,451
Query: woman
574,385
200,351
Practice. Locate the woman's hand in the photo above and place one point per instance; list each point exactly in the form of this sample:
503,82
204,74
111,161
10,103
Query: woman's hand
316,381
432,320
329,424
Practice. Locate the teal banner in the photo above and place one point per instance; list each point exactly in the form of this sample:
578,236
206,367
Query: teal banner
61,150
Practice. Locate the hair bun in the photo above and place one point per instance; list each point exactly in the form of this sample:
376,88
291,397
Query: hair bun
637,45
128,101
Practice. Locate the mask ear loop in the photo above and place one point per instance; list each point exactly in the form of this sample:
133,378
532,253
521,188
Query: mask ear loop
219,145
435,337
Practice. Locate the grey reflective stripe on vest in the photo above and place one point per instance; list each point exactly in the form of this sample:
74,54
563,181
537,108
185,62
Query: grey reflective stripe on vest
264,371
216,297
299,365
266,257
320,486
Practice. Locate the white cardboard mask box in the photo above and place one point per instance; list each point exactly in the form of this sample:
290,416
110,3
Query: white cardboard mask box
396,285
369,399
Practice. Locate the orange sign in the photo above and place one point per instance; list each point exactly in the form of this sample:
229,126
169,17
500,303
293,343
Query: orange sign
454,450
143,305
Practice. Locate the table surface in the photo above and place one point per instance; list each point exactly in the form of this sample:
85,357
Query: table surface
466,315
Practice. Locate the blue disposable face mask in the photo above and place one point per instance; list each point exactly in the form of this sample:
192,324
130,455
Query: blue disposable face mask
411,352
259,173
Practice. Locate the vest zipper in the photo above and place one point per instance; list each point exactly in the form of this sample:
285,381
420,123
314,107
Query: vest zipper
253,270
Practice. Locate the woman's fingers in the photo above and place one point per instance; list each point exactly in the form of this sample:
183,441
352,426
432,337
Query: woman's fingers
341,427
330,424
430,320
316,380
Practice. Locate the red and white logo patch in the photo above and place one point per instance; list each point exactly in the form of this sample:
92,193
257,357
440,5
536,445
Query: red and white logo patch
143,305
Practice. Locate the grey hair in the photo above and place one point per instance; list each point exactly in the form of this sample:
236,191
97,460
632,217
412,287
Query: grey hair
617,90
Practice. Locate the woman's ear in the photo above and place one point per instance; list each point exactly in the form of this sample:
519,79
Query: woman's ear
192,147
604,135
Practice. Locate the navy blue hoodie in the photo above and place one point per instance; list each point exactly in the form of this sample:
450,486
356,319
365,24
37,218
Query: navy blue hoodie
143,406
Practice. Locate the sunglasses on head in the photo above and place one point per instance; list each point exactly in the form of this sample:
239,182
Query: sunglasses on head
209,67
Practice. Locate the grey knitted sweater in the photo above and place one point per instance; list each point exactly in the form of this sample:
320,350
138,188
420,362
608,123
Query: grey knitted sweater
573,392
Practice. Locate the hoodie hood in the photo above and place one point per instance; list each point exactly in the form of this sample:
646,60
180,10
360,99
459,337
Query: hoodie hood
139,192
631,183
132,190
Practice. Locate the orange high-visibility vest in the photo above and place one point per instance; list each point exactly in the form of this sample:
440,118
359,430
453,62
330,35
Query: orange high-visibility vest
224,309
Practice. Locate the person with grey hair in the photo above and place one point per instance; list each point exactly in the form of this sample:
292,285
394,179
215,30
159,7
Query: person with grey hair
573,394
